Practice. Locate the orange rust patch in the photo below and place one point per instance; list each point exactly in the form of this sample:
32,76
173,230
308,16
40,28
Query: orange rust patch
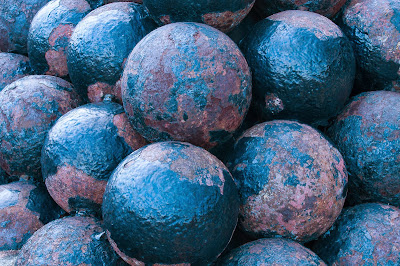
70,182
97,91
226,21
273,103
62,31
57,61
165,19
125,131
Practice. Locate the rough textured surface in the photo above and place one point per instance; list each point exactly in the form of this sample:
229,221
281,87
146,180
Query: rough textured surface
292,182
28,109
100,45
223,15
8,257
13,67
171,202
69,241
367,133
49,35
367,234
186,82
15,19
327,8
24,208
112,1
82,149
271,251
303,67
373,26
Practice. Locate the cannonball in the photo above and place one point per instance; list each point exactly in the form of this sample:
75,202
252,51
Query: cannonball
29,107
8,257
170,203
69,241
272,251
15,19
223,15
366,234
327,8
373,27
24,208
100,45
49,35
186,82
303,67
13,67
292,182
82,149
367,133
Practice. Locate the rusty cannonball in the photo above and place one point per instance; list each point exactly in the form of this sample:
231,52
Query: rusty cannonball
82,149
303,67
13,67
29,107
367,133
223,15
170,203
327,8
15,19
49,35
272,251
100,45
292,182
373,27
69,241
186,82
366,234
24,208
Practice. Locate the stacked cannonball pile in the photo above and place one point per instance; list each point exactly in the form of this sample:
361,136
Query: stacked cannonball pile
195,132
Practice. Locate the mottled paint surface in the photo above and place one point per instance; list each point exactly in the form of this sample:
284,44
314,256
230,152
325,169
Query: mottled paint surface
223,15
13,67
69,241
15,19
171,203
100,45
327,8
367,133
271,251
186,82
292,182
50,32
303,67
24,208
28,109
82,149
373,26
367,234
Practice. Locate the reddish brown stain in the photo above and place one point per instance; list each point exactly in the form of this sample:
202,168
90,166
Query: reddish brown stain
70,182
97,91
125,130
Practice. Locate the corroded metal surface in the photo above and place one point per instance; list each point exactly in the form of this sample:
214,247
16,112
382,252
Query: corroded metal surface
223,15
367,234
100,45
327,8
24,209
373,26
292,181
171,203
186,82
13,67
303,67
28,109
272,251
49,35
82,149
69,241
367,133
15,19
